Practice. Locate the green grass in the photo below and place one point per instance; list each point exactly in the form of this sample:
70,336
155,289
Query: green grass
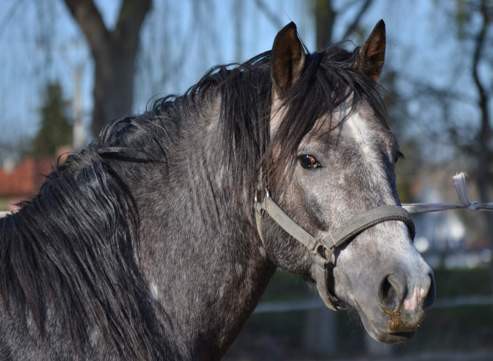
458,328
460,282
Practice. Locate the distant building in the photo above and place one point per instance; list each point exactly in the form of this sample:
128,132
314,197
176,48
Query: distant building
22,181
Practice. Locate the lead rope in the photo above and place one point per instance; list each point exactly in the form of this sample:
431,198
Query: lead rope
460,186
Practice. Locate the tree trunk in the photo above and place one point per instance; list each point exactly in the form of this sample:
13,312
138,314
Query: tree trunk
325,17
485,154
113,87
114,52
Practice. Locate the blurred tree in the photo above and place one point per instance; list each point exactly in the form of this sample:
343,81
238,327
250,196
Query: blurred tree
114,52
484,151
469,14
275,20
472,137
55,128
326,16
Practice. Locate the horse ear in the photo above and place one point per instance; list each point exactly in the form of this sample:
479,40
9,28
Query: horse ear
371,56
288,58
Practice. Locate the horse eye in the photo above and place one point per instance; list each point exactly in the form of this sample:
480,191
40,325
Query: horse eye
308,161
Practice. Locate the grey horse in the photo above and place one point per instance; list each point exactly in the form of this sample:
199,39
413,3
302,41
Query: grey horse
148,245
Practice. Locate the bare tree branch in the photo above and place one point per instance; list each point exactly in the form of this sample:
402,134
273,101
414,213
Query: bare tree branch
326,16
130,18
269,14
425,89
479,44
91,23
346,6
353,25
484,134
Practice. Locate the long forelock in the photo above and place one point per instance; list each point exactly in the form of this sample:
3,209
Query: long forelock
328,83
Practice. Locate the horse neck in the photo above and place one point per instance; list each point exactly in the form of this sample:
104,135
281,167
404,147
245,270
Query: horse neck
202,256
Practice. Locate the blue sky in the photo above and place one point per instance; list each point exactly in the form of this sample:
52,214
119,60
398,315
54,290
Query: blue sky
420,44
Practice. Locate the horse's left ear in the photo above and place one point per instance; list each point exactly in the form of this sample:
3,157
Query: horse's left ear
371,55
288,58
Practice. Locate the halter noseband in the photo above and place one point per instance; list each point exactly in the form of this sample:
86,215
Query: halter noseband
324,251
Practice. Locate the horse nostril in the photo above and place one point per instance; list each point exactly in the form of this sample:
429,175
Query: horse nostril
430,296
392,292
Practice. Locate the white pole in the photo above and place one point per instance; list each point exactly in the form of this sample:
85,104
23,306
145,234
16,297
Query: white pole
78,127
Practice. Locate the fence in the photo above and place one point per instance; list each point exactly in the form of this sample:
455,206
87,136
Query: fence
315,303
320,330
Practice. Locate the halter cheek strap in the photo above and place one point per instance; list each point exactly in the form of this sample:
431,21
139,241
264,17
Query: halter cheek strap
324,251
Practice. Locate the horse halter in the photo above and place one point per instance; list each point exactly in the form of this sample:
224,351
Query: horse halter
324,251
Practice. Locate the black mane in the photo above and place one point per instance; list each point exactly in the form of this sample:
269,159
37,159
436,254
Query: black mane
73,247
74,252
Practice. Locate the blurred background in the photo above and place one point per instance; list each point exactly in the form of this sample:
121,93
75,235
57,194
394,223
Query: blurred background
69,66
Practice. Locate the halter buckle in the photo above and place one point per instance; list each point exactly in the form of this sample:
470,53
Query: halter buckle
259,207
